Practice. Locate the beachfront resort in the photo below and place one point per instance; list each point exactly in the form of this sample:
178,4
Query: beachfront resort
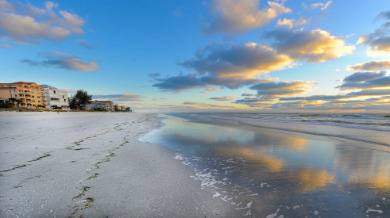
30,95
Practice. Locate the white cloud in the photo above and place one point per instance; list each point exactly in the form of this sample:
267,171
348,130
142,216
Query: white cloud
322,6
314,46
290,23
232,16
62,60
224,98
27,23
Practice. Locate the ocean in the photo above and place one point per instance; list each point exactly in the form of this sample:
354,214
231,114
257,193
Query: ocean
287,164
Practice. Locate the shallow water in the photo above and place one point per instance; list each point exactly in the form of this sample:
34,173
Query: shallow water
267,172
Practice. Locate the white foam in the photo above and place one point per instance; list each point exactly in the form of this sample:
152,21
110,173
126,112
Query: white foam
254,194
178,157
248,206
274,214
316,213
369,210
297,206
216,194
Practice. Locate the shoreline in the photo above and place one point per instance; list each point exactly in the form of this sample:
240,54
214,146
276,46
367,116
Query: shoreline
277,172
73,164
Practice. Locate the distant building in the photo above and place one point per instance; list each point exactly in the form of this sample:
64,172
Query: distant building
56,97
101,105
32,95
121,108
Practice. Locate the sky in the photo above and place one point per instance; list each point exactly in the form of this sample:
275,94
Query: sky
211,55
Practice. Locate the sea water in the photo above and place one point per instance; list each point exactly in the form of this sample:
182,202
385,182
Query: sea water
292,165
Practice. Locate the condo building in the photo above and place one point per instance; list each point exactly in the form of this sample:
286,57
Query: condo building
31,94
101,105
56,97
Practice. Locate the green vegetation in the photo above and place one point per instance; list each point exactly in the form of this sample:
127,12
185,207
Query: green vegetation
6,104
80,100
55,107
17,101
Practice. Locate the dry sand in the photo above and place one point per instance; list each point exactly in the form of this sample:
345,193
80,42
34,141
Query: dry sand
92,164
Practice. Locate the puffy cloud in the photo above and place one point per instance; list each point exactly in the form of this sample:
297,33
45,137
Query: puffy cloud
279,89
322,6
224,98
232,17
193,81
378,41
27,23
237,65
371,65
62,60
247,59
363,76
226,65
210,89
374,94
366,80
4,5
314,46
290,23
119,97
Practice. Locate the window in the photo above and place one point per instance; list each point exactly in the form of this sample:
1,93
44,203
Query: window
39,101
54,91
15,96
32,92
10,91
32,96
64,100
10,95
14,90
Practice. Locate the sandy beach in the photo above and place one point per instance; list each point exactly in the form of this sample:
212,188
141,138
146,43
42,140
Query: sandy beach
93,165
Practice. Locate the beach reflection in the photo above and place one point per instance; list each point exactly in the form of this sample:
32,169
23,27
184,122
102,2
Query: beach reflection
271,170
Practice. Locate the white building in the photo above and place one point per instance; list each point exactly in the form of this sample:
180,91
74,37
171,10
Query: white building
56,97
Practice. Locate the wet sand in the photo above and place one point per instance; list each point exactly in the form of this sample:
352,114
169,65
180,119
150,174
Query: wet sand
92,164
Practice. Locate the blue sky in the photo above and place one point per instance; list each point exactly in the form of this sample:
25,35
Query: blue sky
204,55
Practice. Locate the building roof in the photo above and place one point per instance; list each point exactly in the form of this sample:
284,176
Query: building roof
21,82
